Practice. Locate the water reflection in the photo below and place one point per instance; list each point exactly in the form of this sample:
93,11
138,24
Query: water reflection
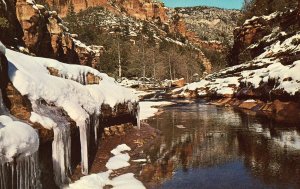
210,147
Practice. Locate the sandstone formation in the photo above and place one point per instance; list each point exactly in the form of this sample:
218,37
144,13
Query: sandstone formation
210,24
43,34
140,9
251,38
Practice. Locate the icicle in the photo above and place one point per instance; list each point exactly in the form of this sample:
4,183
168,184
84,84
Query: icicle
138,117
130,108
96,123
61,154
84,143
22,173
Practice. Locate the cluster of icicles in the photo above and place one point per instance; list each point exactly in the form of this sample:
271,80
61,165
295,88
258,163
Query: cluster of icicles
61,145
25,173
21,172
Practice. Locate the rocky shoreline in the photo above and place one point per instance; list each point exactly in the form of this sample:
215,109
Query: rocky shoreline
278,110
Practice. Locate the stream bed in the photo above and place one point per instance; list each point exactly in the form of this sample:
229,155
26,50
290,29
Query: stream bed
204,146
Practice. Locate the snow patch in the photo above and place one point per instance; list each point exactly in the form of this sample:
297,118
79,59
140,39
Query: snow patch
118,161
148,109
100,180
119,149
46,122
17,139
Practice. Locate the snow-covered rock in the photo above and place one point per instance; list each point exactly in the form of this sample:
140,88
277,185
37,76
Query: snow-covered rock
17,139
78,90
31,77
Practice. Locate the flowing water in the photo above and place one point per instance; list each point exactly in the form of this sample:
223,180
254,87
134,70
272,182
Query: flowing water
204,146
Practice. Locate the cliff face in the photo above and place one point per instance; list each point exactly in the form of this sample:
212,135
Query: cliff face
140,9
42,33
257,33
210,24
144,9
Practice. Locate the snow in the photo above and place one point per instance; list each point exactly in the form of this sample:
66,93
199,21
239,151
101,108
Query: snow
250,100
118,161
31,2
287,77
127,181
139,160
43,120
265,17
100,180
69,91
92,181
148,109
119,149
2,48
277,72
17,139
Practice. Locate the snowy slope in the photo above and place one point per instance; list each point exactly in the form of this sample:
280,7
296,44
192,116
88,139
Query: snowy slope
31,77
274,71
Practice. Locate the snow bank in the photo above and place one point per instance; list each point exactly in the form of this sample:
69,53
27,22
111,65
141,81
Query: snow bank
31,77
287,78
147,109
17,139
100,180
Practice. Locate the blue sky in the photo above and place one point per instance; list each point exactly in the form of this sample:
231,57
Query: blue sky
228,4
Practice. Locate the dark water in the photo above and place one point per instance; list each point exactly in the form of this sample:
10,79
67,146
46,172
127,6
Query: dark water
205,146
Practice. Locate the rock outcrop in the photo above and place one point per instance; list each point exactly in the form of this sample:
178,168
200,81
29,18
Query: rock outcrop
41,32
260,32
139,9
210,24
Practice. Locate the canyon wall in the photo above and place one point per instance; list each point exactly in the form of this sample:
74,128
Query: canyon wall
41,32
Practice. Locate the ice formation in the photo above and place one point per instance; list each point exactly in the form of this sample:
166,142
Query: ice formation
70,91
22,173
19,143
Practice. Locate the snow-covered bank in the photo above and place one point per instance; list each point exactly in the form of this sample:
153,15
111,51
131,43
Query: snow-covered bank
125,181
80,91
263,70
19,143
69,90
149,108
17,139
